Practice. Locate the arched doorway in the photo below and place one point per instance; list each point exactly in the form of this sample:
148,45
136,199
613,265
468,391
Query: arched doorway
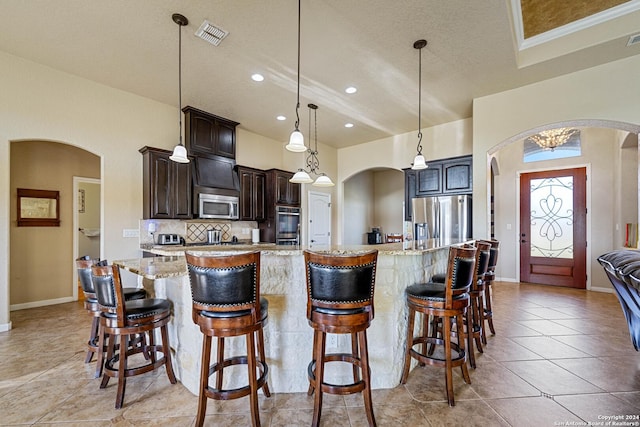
41,258
610,154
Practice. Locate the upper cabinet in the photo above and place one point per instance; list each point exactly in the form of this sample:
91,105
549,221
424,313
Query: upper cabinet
166,186
449,176
209,134
284,192
252,194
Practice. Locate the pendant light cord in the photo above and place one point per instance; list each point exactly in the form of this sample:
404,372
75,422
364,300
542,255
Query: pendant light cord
180,80
298,96
419,100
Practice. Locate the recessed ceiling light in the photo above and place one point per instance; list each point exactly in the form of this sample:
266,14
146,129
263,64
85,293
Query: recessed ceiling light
351,89
281,118
348,125
257,77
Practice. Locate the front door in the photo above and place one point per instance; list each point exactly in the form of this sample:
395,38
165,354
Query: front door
553,227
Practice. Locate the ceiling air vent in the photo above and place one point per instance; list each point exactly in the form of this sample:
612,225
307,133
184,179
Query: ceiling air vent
633,39
210,33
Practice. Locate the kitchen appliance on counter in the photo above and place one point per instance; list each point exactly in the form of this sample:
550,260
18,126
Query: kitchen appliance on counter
446,218
374,237
287,225
217,206
170,239
214,237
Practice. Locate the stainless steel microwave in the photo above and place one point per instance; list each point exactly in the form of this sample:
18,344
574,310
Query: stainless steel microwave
214,206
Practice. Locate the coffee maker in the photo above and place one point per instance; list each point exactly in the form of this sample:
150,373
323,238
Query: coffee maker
374,237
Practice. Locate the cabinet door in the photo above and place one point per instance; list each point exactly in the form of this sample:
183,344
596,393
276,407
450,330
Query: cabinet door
409,192
181,190
458,176
294,193
429,180
259,194
226,136
247,192
202,136
160,203
282,188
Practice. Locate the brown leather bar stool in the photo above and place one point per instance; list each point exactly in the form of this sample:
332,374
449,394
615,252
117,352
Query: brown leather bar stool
123,321
227,303
448,301
340,301
489,277
83,265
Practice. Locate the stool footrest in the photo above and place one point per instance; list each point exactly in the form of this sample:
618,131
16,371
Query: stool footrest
226,394
459,360
154,363
341,389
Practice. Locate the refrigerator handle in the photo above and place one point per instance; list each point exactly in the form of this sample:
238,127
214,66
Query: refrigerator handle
437,229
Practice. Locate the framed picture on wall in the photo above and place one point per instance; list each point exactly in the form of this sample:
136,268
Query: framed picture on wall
38,208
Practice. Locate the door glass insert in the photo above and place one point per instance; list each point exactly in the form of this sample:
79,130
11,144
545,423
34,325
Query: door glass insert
552,217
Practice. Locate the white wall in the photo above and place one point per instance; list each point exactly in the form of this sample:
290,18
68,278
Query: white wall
388,197
358,208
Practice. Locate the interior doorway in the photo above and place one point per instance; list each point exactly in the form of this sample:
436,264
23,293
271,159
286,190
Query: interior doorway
553,227
319,219
87,234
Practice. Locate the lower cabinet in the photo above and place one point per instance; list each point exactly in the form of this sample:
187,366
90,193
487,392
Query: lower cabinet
252,194
166,186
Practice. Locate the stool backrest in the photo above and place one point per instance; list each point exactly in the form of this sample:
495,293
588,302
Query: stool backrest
493,256
83,265
484,254
225,283
340,281
461,271
108,286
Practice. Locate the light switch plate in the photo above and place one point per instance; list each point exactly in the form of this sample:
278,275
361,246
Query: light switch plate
130,232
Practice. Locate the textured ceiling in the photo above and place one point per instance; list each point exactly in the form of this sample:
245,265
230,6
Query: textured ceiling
473,51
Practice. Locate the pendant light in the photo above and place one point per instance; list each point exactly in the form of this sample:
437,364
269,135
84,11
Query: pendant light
418,161
296,140
179,152
313,164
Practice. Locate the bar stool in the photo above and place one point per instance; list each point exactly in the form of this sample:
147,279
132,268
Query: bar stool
83,265
489,277
123,321
227,303
448,301
340,301
475,314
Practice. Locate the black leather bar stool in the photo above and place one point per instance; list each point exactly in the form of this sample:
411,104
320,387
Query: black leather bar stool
489,277
122,321
227,303
448,301
475,313
340,301
83,265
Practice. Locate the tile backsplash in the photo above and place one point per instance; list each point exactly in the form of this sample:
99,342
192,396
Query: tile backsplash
194,231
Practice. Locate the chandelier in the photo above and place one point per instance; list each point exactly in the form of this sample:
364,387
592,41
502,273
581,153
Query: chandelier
312,163
552,138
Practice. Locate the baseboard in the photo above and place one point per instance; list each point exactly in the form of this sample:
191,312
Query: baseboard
4,327
506,279
598,289
41,303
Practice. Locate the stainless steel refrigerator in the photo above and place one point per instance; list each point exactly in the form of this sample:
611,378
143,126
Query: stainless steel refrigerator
446,218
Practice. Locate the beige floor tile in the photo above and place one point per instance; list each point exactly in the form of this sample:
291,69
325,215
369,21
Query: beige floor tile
620,373
493,381
465,413
549,348
593,407
550,378
533,412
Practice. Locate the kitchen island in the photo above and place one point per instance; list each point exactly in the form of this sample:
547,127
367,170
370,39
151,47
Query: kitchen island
288,337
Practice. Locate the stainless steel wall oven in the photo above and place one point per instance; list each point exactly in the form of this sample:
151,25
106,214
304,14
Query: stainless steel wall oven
287,225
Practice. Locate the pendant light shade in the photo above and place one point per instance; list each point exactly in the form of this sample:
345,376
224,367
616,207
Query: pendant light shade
323,181
179,152
296,140
301,177
418,161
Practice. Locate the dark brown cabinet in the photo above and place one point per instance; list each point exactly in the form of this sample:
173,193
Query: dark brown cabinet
449,176
166,186
209,134
252,194
285,192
